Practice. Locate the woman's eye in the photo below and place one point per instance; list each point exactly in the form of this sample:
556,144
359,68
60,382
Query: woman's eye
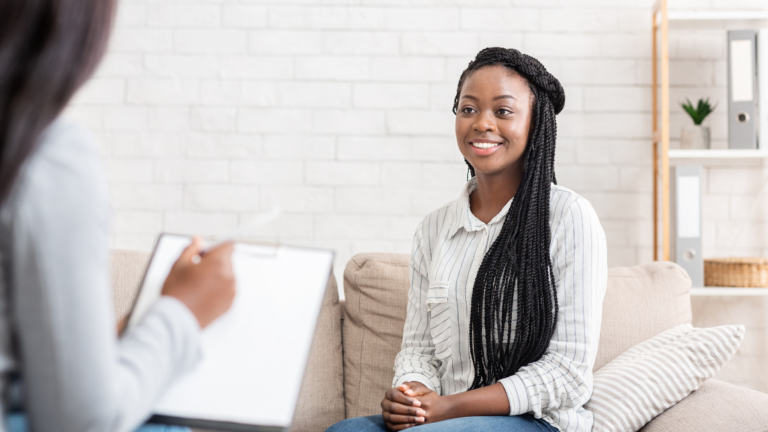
467,110
504,111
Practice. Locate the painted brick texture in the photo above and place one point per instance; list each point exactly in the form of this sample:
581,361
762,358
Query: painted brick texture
339,112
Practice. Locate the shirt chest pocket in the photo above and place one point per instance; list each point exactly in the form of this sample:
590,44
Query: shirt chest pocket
440,318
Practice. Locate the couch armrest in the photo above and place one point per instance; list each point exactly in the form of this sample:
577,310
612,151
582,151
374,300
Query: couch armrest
321,401
715,406
127,271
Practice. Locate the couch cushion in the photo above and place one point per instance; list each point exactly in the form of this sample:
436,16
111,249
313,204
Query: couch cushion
376,290
641,302
656,374
321,400
127,271
715,406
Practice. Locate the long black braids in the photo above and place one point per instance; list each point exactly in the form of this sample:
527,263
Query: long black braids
518,262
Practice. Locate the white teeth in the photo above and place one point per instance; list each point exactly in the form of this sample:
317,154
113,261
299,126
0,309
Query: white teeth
485,145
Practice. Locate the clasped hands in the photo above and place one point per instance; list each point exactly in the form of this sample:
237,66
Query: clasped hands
412,404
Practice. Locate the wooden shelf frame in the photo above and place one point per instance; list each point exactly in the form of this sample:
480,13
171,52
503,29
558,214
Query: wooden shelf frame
661,152
660,136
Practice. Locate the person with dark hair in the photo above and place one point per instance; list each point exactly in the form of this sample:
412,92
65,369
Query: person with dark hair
62,367
507,282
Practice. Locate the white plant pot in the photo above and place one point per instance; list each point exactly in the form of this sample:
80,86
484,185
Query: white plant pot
694,137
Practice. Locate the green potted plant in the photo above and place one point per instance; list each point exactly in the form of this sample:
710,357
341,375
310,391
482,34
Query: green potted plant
696,136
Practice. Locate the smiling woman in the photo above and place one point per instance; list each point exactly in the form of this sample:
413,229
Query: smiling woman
504,109
493,116
507,282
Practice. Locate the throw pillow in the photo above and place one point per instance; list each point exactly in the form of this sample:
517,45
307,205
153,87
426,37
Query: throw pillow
653,375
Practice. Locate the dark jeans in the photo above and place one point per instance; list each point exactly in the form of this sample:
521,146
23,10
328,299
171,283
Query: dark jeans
522,423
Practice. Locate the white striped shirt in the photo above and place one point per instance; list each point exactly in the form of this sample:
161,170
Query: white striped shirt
448,247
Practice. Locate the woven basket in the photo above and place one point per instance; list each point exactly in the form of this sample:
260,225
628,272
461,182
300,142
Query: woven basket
736,272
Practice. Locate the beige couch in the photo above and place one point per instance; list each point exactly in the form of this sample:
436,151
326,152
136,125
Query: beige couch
355,344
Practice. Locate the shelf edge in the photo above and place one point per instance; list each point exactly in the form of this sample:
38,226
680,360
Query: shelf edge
728,292
716,15
717,154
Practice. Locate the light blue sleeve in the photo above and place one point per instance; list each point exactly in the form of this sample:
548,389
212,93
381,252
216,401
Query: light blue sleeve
78,377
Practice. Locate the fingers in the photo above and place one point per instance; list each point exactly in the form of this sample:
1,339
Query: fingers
397,408
395,395
220,258
190,251
401,419
399,412
415,389
225,249
406,389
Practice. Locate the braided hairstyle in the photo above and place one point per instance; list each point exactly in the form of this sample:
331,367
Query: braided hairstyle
518,263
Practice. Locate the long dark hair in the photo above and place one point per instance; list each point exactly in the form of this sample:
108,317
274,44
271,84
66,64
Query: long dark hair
48,48
518,262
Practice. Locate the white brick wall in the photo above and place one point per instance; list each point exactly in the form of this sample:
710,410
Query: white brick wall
338,111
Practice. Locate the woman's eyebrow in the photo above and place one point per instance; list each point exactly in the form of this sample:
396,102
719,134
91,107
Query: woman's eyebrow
496,98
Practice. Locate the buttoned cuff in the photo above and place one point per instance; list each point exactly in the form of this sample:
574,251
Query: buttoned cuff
418,378
517,393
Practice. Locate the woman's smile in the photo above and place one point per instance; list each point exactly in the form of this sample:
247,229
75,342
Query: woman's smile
483,147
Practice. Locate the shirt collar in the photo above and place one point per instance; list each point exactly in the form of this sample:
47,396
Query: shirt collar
462,215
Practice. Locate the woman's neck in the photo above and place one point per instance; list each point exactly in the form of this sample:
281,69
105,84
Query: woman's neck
494,192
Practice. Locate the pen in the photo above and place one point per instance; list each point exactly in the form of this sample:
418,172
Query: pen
258,221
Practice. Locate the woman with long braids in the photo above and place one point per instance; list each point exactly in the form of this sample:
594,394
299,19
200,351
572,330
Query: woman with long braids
507,282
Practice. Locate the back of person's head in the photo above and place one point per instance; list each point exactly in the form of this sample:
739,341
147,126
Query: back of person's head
48,49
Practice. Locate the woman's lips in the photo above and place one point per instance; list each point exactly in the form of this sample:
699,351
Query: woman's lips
484,148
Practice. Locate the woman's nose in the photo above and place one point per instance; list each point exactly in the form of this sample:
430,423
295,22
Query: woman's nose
485,123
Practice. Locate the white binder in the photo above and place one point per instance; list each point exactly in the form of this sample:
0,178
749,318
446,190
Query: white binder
762,85
686,221
742,85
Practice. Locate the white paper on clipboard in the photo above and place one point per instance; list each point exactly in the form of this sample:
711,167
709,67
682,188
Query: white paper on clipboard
254,355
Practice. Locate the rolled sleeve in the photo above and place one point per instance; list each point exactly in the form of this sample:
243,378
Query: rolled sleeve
415,377
517,395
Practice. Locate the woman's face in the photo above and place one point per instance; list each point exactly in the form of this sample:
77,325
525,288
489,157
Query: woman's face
493,119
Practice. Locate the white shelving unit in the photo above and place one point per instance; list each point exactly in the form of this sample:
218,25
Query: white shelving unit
729,292
716,15
718,154
662,154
